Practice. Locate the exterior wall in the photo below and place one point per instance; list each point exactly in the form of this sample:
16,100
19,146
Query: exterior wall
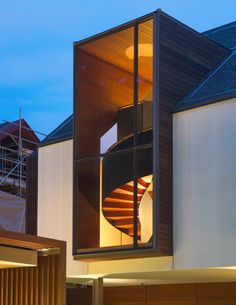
55,198
204,150
204,157
184,294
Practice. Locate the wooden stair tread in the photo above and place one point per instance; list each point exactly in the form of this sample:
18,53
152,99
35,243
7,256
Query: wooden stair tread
123,222
118,213
128,226
118,209
121,196
119,218
143,183
130,188
118,204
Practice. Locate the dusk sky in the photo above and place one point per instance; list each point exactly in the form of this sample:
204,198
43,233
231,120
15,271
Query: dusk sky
36,53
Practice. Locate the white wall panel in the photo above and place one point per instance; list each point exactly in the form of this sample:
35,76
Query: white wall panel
55,198
204,195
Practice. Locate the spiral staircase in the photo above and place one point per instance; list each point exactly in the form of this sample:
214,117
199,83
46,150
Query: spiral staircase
118,205
118,180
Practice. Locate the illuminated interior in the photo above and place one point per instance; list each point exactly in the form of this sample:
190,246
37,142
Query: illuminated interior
113,158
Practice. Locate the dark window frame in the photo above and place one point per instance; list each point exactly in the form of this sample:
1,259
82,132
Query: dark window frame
147,249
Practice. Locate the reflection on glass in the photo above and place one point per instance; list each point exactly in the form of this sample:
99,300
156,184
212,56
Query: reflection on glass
104,87
145,60
144,169
87,193
114,157
116,218
145,79
144,138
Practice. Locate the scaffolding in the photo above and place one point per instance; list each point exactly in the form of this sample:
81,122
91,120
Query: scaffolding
13,154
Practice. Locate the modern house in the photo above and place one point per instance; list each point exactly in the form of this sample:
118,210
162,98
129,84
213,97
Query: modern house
148,174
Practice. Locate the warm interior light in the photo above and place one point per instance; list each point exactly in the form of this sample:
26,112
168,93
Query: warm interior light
16,257
144,50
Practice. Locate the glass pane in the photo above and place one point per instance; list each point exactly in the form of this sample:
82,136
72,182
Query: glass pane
87,202
104,192
104,93
145,80
144,168
144,138
116,221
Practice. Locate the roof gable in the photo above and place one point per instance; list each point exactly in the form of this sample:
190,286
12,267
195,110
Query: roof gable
220,84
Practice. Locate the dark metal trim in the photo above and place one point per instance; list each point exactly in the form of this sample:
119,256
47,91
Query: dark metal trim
156,122
114,252
206,103
135,203
31,204
42,144
102,253
116,29
75,206
192,30
113,153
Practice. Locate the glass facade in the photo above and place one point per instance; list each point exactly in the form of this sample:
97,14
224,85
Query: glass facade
113,155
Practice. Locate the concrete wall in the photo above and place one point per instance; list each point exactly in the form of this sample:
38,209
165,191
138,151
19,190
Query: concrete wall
55,198
204,197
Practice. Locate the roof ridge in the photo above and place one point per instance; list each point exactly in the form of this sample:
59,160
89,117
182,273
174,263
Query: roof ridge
58,133
206,79
59,127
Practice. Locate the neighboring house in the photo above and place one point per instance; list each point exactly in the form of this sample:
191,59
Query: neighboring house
32,269
148,175
12,212
17,142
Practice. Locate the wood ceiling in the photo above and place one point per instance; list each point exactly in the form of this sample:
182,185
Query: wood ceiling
112,48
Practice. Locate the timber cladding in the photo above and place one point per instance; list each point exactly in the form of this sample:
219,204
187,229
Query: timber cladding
177,294
185,58
182,59
31,285
44,284
31,217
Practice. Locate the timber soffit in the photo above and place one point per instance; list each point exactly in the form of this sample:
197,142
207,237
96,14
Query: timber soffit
219,85
210,35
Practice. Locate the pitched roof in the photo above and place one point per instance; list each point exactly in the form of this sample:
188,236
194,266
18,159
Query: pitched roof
13,128
220,84
63,132
224,35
